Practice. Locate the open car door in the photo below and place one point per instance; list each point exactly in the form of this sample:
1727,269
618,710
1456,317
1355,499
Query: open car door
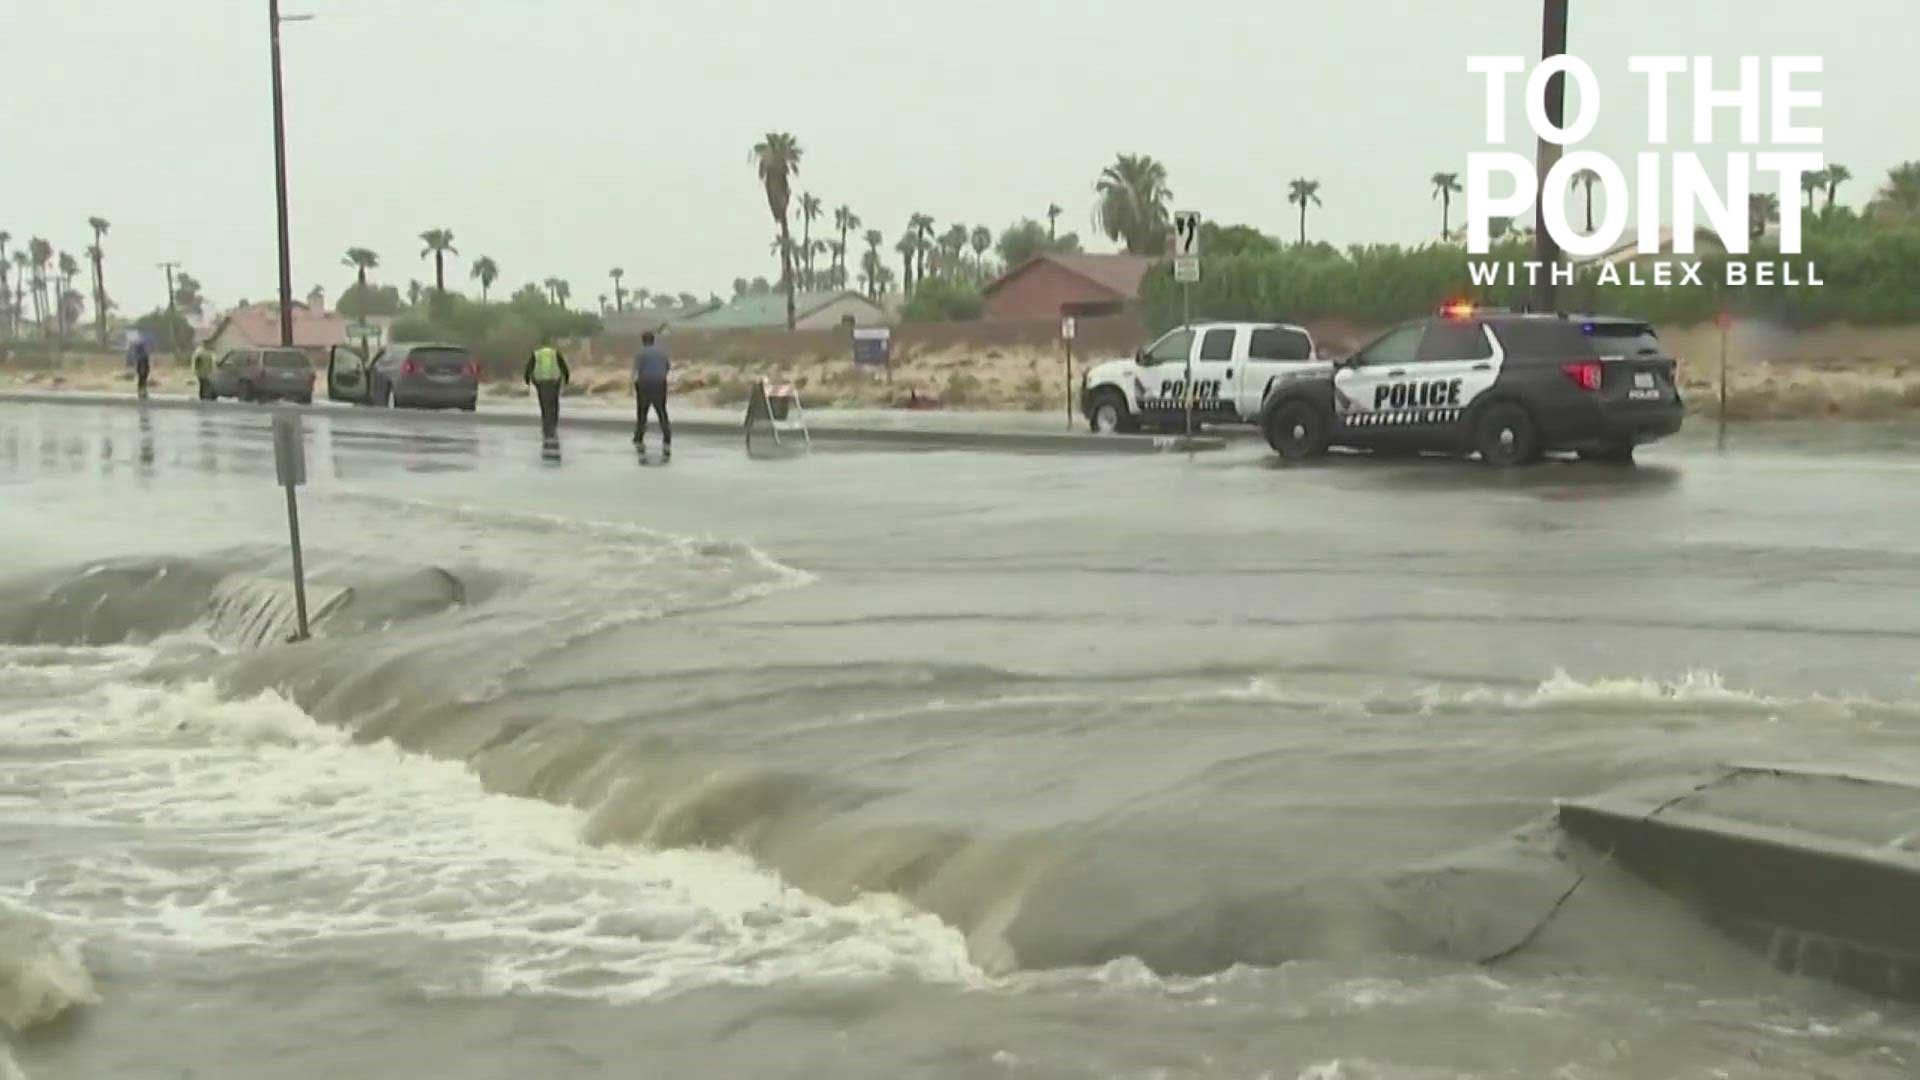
346,374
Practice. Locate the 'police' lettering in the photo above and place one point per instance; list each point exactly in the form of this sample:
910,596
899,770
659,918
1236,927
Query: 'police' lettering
1417,395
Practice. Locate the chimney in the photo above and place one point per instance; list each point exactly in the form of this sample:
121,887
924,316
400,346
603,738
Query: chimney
317,300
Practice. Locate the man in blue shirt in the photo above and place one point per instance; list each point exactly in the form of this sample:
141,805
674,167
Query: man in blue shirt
650,366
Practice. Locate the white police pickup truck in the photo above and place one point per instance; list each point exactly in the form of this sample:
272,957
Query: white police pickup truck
1233,366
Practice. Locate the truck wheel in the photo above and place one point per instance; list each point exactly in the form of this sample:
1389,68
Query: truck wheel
1505,436
1108,413
1297,431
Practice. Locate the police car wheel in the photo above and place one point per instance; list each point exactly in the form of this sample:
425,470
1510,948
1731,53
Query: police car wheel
1505,436
1108,414
1297,431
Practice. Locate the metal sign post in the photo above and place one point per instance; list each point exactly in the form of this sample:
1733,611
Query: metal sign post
290,469
1186,271
1067,329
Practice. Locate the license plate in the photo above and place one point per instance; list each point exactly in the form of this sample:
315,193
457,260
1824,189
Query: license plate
1643,395
1643,380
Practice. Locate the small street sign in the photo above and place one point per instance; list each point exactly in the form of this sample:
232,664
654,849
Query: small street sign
1186,269
1066,328
1186,234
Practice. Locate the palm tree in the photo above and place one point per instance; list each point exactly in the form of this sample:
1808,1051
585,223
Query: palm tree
362,260
982,242
1133,203
1303,191
953,243
1762,209
815,248
845,220
97,253
640,297
619,294
42,253
909,248
20,262
920,227
837,269
1898,200
562,292
776,159
1053,215
487,271
1836,175
68,267
1811,185
1586,178
1445,186
809,209
414,289
439,245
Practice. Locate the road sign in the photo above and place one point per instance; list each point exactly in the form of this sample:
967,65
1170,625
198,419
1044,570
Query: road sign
1186,269
1066,328
289,451
872,345
1186,234
363,332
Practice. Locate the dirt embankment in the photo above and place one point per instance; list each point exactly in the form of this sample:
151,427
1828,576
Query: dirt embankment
1841,372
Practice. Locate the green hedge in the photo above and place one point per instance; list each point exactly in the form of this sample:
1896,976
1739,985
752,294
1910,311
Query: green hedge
1871,275
500,335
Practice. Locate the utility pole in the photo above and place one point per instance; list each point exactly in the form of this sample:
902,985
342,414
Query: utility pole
280,170
173,318
1553,42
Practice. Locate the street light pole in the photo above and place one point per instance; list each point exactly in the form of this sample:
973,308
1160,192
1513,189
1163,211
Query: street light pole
280,178
173,319
1553,42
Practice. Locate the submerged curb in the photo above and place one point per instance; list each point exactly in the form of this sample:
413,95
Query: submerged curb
823,429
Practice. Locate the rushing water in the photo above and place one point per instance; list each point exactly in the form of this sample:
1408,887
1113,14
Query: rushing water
890,764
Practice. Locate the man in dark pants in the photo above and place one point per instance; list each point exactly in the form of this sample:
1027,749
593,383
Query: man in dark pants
140,358
547,373
650,367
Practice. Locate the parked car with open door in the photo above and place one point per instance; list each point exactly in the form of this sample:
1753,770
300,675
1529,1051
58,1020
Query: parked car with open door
422,375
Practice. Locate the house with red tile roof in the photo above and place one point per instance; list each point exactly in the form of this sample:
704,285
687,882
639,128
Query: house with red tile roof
257,326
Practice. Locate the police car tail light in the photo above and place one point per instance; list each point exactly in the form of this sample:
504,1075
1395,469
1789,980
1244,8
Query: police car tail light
1585,374
1458,309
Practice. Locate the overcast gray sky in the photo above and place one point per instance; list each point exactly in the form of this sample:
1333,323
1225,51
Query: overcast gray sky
564,137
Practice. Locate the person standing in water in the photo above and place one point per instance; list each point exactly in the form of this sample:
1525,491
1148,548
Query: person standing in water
547,373
650,367
140,359
203,371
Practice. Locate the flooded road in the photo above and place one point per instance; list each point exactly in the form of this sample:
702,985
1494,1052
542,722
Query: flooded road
911,764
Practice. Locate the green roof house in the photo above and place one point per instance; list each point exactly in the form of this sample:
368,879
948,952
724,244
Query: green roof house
811,311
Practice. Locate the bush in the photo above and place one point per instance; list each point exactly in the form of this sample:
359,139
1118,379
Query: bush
962,389
939,300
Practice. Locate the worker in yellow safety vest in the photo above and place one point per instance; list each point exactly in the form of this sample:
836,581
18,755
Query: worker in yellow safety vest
547,373
203,370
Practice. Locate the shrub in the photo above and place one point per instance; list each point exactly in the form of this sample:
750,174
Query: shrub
938,300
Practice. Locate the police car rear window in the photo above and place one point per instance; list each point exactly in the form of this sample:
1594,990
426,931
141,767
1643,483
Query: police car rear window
1549,339
1622,337
1277,344
1450,340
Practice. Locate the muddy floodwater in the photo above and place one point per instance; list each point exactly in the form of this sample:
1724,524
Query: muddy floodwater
882,763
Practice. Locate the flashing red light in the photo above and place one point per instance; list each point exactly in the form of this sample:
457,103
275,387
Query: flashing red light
1458,309
409,368
1585,374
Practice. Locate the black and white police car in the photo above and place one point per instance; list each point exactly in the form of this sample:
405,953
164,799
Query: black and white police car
1505,385
1233,366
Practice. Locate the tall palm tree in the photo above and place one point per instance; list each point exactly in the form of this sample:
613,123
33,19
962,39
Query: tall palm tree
1303,191
870,267
982,242
414,289
1763,208
1836,175
776,159
20,263
1811,185
1132,206
837,267
439,245
94,257
1053,215
1445,186
920,226
562,291
809,209
97,253
42,254
640,297
845,220
909,248
362,260
1898,200
487,272
953,243
619,294
1585,179
68,267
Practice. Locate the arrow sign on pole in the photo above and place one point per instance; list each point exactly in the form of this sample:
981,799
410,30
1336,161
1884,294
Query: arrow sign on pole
1186,234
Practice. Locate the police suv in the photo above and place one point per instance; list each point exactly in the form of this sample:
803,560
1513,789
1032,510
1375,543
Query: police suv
1504,385
1234,366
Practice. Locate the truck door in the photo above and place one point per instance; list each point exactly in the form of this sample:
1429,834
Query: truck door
1272,352
1160,376
1218,357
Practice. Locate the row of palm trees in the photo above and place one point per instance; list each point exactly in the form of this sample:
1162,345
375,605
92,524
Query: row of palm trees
57,305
